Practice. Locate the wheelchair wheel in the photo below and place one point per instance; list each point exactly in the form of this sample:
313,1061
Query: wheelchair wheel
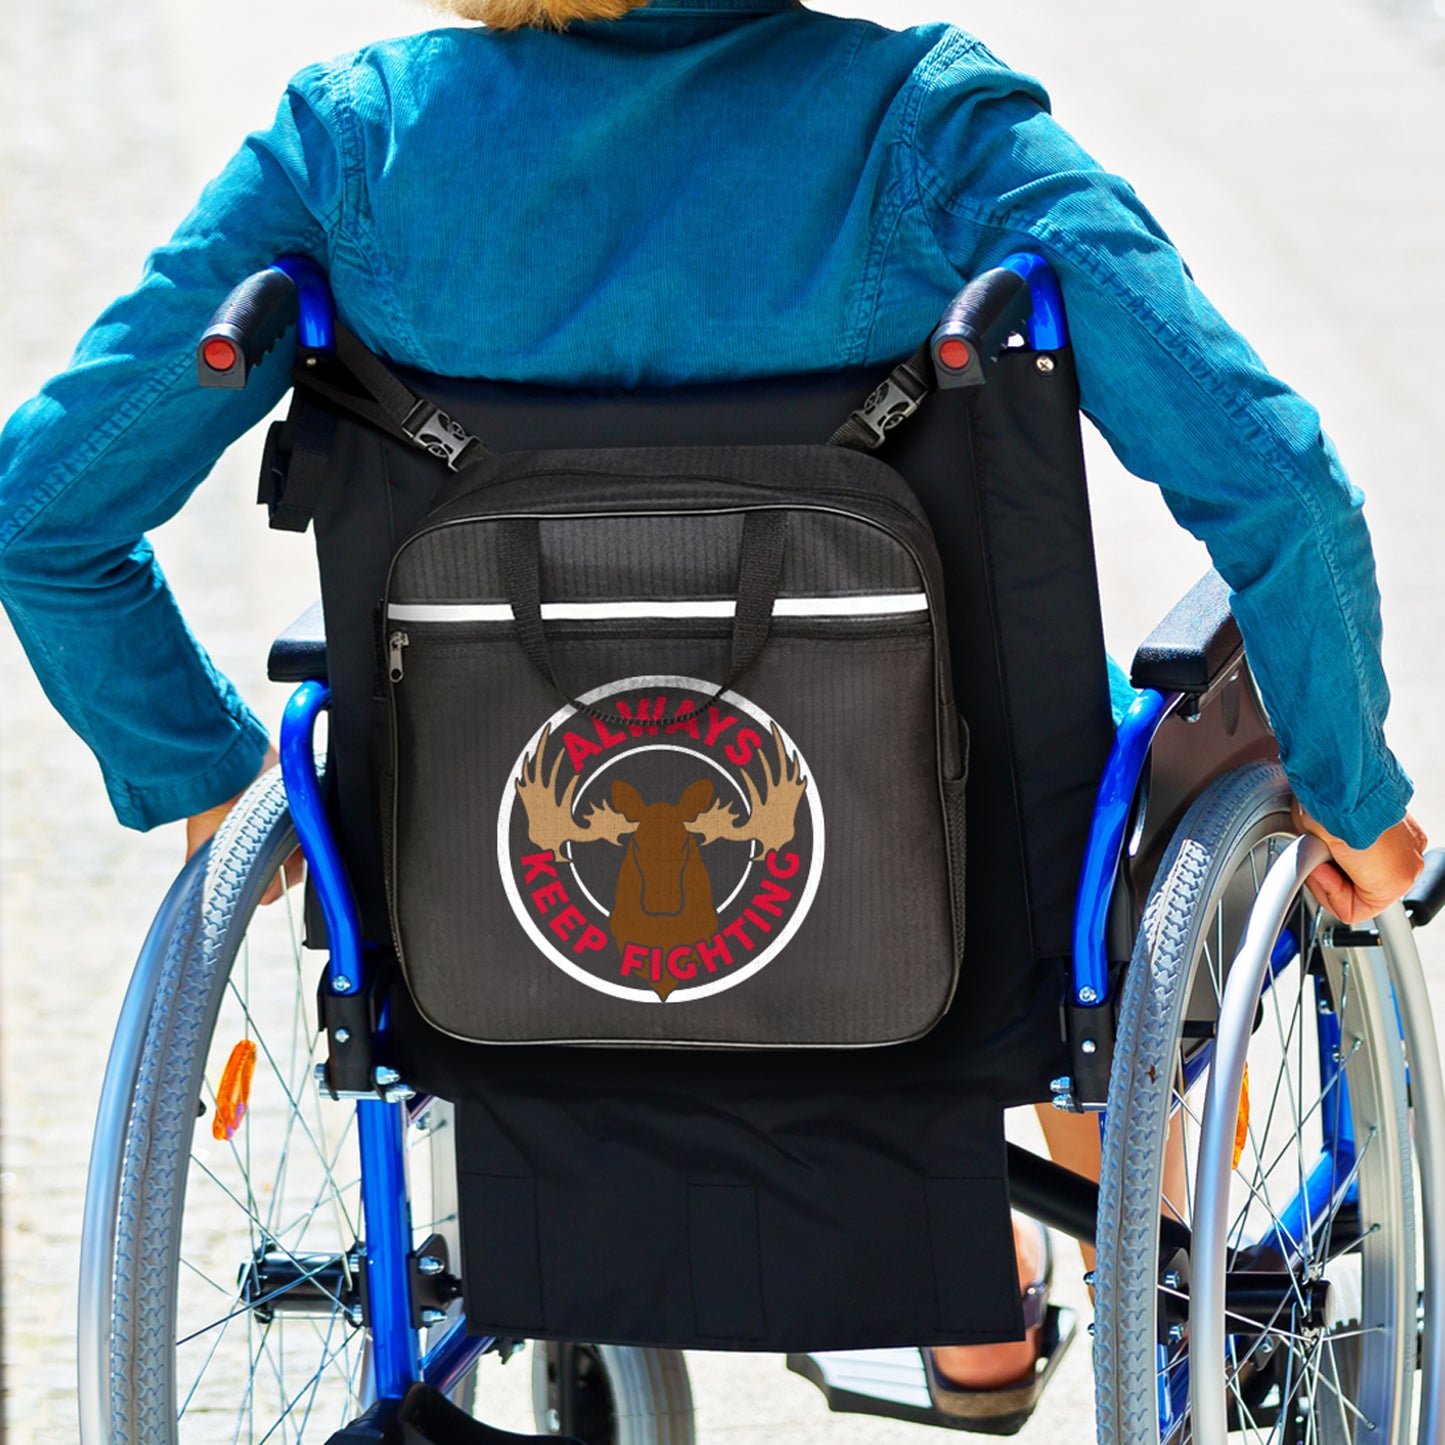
221,1293
611,1394
1320,1292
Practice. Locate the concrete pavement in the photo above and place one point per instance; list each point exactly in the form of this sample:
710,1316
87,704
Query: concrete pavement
1295,151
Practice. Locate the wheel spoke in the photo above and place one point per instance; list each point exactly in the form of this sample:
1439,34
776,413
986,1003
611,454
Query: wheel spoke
250,1308
295,1107
205,1365
1346,1056
270,1240
310,1385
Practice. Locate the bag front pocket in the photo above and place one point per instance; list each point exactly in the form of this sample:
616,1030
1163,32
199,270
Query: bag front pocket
723,798
762,855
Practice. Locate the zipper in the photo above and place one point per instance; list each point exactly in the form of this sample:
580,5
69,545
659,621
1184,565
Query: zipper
428,529
394,645
457,637
942,656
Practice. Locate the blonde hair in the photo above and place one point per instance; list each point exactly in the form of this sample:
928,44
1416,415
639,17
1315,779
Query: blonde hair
545,14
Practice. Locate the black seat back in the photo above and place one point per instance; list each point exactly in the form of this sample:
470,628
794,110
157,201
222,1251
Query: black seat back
999,469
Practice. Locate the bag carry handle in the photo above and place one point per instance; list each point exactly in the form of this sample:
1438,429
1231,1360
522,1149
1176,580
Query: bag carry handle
760,570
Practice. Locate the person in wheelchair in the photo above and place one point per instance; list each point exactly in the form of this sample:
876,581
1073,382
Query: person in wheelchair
602,194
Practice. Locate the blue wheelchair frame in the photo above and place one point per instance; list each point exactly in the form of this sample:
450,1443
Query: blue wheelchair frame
1332,1178
398,1360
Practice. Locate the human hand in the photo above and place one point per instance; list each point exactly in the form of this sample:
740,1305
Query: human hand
202,827
1358,883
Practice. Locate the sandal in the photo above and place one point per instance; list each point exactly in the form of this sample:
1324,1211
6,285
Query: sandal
1004,1409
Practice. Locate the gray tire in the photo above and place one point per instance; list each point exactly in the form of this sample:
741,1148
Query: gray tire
1342,1381
177,1221
621,1395
174,1353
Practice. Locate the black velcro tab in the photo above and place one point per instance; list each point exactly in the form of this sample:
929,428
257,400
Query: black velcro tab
500,1240
727,1275
296,466
977,1287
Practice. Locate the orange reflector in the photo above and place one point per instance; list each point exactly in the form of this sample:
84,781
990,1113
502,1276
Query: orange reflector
953,354
234,1092
220,354
1241,1119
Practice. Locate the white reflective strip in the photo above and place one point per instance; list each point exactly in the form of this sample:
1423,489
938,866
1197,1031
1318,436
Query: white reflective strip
883,604
449,612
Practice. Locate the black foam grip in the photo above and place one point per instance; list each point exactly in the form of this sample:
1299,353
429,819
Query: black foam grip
254,317
1427,897
983,316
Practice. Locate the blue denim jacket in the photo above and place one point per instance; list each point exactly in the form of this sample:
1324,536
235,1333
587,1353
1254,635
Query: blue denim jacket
701,190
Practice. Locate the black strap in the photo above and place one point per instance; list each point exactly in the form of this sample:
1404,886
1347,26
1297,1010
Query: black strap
391,405
295,468
893,401
760,571
388,402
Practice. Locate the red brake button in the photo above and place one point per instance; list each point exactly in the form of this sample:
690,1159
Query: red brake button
954,354
219,353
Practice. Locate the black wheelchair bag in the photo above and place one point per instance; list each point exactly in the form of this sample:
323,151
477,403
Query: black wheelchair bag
720,772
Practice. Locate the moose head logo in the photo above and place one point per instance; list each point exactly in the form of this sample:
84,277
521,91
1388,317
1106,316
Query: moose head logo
693,889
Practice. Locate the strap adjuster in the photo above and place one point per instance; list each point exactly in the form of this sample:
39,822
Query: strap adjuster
888,405
435,432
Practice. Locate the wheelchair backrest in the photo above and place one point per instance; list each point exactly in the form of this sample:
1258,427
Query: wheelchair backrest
999,470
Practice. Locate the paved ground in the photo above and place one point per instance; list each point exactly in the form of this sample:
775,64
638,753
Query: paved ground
1294,151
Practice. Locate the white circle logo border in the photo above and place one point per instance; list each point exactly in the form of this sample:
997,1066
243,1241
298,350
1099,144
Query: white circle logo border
618,990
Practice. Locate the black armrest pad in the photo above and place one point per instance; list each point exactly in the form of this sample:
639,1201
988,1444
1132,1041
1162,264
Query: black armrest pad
1194,644
299,654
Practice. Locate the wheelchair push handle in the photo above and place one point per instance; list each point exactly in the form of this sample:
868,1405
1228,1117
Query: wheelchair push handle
977,324
1427,894
257,314
246,325
1021,295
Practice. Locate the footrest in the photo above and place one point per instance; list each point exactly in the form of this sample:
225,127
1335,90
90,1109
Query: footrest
894,1383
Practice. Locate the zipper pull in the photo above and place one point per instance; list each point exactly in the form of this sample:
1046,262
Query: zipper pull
394,645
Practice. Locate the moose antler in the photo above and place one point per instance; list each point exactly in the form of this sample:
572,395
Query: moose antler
770,817
550,823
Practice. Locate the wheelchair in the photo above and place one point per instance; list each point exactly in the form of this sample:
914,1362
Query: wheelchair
283,1235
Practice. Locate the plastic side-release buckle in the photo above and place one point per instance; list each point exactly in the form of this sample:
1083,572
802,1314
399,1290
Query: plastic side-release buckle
434,431
888,405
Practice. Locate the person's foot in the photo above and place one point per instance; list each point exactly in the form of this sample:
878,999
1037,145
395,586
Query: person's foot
990,1367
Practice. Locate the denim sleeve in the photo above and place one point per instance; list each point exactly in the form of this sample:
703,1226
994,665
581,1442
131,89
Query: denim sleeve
1185,403
115,444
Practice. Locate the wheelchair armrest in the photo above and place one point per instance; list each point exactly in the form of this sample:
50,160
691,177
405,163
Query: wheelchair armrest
1196,645
299,654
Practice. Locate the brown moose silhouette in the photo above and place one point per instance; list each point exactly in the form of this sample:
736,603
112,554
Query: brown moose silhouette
664,893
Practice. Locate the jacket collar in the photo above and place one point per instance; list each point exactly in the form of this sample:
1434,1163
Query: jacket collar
713,7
